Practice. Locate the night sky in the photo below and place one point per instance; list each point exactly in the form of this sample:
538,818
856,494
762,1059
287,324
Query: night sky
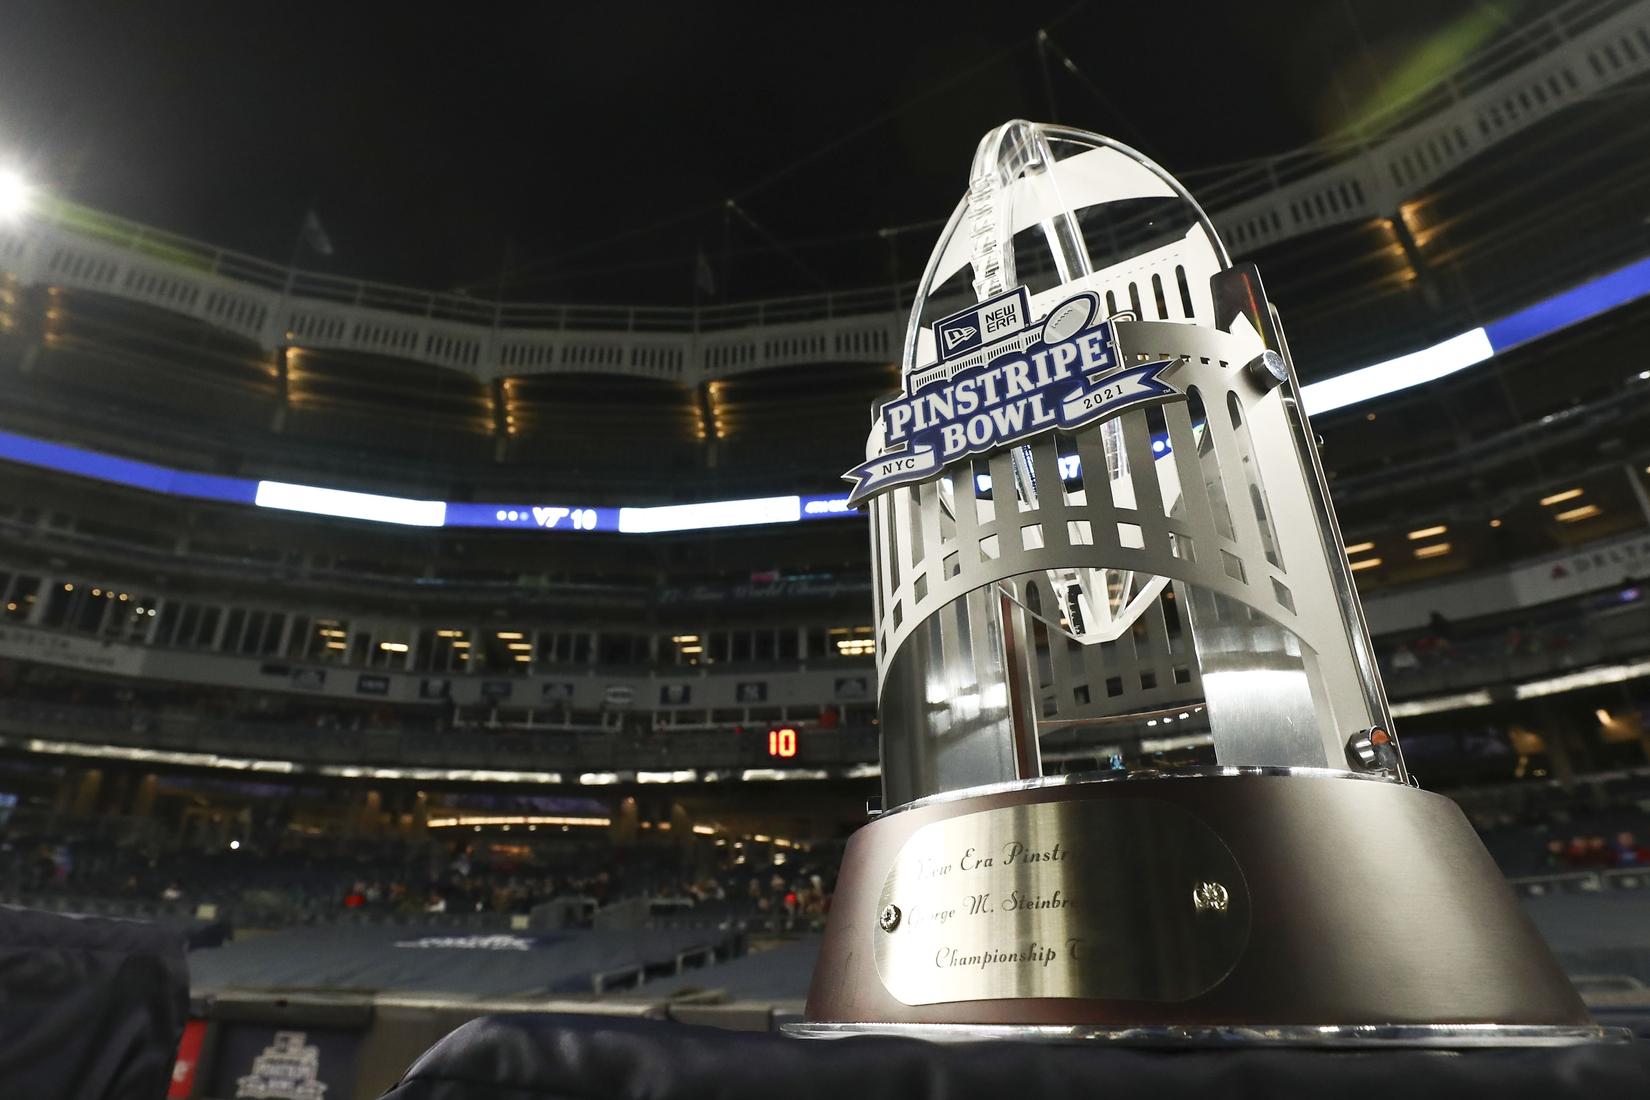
538,148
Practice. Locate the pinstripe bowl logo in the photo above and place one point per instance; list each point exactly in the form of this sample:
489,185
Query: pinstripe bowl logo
1001,379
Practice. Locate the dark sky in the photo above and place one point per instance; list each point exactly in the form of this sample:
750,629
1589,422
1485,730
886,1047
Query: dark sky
440,149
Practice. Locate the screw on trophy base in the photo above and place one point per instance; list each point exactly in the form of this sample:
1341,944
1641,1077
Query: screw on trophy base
1100,530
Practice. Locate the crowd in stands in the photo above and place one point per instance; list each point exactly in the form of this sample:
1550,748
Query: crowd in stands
318,880
1596,852
1552,632
1549,828
1441,643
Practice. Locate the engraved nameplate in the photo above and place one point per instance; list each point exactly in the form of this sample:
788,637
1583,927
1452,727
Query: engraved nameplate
1116,898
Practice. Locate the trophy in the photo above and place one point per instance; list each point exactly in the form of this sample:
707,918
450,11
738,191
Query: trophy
1097,510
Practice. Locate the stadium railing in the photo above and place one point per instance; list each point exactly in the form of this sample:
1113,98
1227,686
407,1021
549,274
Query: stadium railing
23,723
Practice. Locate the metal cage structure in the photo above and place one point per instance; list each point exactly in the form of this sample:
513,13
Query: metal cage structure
1180,554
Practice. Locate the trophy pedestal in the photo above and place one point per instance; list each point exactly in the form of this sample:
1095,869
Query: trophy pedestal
1229,904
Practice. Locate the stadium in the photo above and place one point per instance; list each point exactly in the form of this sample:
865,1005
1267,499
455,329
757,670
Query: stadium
416,636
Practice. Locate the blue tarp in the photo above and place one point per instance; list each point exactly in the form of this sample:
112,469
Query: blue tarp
424,960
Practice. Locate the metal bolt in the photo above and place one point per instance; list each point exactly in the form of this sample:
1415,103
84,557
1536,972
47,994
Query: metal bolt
1268,368
889,920
1210,897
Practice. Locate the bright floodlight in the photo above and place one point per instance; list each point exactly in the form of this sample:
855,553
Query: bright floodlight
14,195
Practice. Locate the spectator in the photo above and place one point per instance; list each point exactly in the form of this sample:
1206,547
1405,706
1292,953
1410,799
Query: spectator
1440,627
1598,852
1628,853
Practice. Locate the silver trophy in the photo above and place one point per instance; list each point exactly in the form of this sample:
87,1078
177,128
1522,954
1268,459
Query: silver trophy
1097,511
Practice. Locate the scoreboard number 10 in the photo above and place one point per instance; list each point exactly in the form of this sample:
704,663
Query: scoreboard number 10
782,743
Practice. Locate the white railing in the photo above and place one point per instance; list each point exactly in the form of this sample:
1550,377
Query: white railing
1581,882
1574,51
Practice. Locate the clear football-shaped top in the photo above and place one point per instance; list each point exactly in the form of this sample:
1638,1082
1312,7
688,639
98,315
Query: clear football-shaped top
1060,211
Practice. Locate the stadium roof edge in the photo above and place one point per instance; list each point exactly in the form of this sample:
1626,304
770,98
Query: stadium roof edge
1564,56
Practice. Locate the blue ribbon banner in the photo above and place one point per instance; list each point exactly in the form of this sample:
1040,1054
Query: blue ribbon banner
1061,384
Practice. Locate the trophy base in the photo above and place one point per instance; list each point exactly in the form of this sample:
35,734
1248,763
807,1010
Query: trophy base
1209,908
1437,1036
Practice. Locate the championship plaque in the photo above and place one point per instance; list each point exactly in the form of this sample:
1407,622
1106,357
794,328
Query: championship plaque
1097,511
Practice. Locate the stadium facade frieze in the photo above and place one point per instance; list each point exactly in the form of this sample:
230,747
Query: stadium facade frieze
589,690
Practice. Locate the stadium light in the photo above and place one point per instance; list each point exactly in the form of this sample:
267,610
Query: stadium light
16,196
1455,354
1436,703
701,517
348,505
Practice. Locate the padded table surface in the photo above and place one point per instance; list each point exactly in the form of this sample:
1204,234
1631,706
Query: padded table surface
90,1008
552,1057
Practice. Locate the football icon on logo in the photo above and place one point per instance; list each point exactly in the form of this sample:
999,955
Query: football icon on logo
1068,319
